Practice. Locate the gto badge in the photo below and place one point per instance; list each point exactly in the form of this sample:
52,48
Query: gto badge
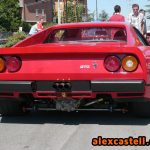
85,67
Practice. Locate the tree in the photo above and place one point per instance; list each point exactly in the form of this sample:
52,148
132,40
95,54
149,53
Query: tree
73,11
91,16
10,17
103,16
80,12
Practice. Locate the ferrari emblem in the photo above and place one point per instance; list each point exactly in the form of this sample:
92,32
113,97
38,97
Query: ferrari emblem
95,65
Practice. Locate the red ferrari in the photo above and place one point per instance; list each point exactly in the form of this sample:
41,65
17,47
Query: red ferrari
77,67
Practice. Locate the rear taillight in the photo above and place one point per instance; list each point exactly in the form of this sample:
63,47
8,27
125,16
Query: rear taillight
2,65
129,63
112,63
13,64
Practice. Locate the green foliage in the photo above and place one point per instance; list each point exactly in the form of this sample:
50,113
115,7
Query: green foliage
25,26
12,40
10,17
73,11
80,12
2,29
46,25
91,16
103,16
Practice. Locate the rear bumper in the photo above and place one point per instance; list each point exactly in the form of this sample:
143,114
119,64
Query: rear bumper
118,86
132,86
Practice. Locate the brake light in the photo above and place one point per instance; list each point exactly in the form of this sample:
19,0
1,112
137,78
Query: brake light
112,63
2,65
129,63
13,64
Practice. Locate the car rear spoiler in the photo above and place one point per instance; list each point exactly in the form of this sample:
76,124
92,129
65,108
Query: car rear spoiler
71,49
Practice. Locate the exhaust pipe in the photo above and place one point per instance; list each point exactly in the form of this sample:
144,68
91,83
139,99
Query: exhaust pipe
58,86
62,86
67,86
55,85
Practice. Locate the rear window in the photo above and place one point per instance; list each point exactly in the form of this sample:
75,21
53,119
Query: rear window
88,34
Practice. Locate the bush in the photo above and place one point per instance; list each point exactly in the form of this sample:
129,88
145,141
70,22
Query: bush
26,26
15,38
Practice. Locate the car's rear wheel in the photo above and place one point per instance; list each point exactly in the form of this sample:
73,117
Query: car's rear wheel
11,107
140,109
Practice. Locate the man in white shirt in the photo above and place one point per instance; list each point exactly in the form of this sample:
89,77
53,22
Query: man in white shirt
33,29
136,18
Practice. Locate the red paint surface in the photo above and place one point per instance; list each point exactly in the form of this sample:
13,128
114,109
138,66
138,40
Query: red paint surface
63,61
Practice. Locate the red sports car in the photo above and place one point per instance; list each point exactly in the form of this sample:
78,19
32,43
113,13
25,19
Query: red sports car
81,66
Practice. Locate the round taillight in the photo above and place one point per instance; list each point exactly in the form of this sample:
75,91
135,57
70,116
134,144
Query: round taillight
129,63
2,65
112,63
13,64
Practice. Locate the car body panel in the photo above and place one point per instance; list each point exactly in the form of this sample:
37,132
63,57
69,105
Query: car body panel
74,64
78,61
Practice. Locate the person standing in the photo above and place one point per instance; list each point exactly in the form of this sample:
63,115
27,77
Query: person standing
36,27
135,18
40,24
117,16
144,27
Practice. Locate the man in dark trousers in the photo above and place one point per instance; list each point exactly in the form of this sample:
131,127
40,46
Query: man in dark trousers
117,16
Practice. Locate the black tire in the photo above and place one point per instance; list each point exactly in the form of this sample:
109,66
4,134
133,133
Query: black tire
140,109
11,107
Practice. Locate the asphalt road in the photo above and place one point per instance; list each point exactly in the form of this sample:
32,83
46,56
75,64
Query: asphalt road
69,131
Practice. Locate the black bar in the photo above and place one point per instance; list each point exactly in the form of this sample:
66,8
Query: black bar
94,86
16,86
118,86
